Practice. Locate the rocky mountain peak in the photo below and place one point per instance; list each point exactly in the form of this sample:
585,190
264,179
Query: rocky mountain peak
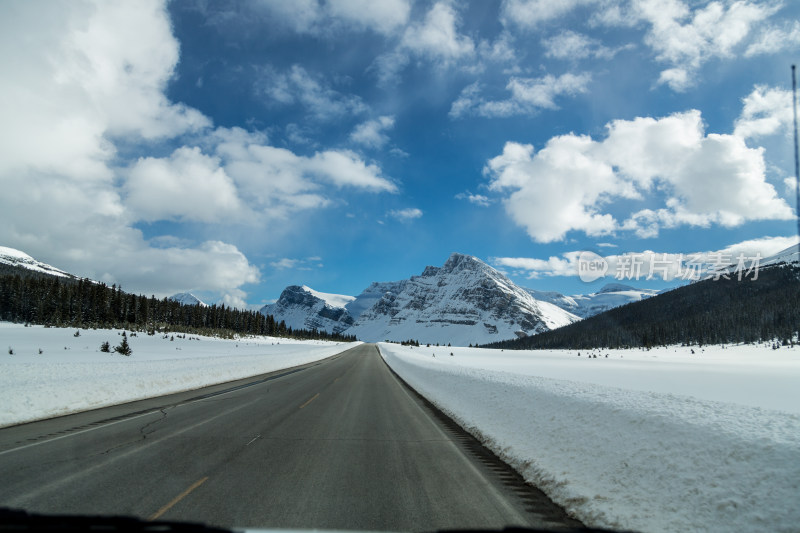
457,262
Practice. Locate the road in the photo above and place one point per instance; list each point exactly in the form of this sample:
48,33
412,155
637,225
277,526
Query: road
339,444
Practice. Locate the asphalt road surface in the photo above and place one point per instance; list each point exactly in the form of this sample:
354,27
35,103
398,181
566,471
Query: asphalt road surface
338,444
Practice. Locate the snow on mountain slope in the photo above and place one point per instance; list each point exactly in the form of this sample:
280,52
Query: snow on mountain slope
187,298
464,302
334,300
372,294
16,258
301,307
789,255
585,305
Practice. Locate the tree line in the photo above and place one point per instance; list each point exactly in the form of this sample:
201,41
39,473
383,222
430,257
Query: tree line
51,301
722,311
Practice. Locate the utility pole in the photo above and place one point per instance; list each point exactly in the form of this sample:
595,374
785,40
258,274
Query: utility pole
796,154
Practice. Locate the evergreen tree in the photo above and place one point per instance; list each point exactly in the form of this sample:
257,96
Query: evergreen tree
124,348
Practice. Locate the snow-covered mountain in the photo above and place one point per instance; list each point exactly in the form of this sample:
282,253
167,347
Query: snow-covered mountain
372,294
789,255
585,305
302,307
463,302
15,258
187,298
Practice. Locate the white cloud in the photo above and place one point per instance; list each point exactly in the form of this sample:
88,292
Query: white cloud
773,40
571,45
186,186
683,34
385,17
532,13
477,199
320,18
528,96
371,133
790,186
556,190
93,73
297,86
92,77
405,215
236,298
552,266
301,16
657,265
435,39
678,79
76,84
277,182
344,168
705,179
287,263
766,111
687,38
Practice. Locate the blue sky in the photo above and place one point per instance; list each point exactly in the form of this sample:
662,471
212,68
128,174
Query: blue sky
233,148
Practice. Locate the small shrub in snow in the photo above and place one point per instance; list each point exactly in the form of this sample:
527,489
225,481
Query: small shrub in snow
77,334
105,347
124,348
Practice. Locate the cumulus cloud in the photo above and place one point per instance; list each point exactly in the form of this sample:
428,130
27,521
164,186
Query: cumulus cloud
683,35
94,72
187,186
566,186
93,77
687,38
435,38
405,215
277,182
371,133
528,96
766,111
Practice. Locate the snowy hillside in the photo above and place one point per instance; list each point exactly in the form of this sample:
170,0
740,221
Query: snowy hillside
585,305
301,307
789,255
16,258
333,300
187,298
464,302
372,294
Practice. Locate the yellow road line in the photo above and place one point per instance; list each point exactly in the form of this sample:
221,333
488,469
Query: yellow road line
309,401
178,498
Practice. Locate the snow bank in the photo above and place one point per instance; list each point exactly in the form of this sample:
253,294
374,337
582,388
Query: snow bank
71,374
662,440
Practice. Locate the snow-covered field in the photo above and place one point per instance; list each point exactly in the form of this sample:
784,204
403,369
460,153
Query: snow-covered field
659,440
71,374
